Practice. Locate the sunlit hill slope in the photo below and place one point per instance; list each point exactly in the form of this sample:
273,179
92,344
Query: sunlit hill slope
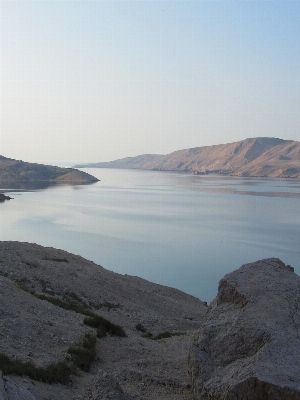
260,157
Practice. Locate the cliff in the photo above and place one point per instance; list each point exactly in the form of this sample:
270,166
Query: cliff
259,157
14,171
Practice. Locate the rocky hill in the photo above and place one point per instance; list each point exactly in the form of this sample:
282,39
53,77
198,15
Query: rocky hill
15,171
91,333
260,157
71,330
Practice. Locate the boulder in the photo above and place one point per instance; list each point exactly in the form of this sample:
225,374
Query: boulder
249,344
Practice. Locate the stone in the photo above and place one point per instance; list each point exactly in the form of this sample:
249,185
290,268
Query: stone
249,344
106,387
12,390
2,389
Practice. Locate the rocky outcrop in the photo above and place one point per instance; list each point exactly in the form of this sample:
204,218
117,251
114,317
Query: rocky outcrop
260,157
249,344
10,391
46,295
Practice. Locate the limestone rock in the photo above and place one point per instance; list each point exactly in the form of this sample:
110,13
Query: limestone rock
2,390
106,387
249,344
10,391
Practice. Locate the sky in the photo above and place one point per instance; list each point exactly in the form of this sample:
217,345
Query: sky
88,81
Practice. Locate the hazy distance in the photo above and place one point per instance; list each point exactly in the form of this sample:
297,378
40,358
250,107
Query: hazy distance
89,81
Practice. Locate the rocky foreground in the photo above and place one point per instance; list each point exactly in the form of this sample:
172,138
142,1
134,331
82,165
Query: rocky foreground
73,330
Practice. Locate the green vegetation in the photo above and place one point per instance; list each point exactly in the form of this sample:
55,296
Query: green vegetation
54,373
149,335
139,327
56,259
163,335
104,326
108,305
83,356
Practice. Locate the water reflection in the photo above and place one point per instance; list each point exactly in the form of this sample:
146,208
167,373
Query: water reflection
175,229
33,186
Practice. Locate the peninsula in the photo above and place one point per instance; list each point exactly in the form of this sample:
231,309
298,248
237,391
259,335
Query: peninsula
16,171
257,157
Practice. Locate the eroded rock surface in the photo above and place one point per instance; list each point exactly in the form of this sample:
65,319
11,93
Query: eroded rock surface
10,391
249,344
33,329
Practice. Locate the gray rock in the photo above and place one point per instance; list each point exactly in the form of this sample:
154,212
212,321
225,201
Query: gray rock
2,390
26,394
12,390
106,387
249,344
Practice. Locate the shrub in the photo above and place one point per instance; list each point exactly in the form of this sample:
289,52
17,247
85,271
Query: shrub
56,259
103,326
83,356
139,327
54,373
163,335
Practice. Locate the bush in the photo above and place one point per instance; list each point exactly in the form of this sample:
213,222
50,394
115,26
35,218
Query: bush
54,373
83,356
104,326
163,335
139,327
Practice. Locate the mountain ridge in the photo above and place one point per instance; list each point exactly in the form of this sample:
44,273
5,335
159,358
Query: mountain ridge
254,157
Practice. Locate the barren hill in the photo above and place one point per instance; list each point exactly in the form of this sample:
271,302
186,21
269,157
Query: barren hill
261,157
51,301
71,330
19,171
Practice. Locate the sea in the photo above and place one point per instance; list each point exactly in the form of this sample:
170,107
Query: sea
174,229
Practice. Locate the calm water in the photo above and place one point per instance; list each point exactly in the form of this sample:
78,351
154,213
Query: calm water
179,230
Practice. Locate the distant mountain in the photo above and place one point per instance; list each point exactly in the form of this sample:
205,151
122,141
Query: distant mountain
137,162
261,157
19,171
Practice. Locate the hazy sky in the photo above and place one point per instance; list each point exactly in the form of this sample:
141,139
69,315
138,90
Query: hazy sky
100,80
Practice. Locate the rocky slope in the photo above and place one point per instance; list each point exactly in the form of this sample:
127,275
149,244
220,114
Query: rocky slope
260,157
39,288
249,344
71,330
22,172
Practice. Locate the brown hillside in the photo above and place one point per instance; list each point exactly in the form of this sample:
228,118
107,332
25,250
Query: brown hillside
19,171
261,156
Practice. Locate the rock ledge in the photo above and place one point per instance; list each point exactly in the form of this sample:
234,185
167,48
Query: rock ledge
249,344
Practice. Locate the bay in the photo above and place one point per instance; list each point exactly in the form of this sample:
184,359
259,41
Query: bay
178,230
